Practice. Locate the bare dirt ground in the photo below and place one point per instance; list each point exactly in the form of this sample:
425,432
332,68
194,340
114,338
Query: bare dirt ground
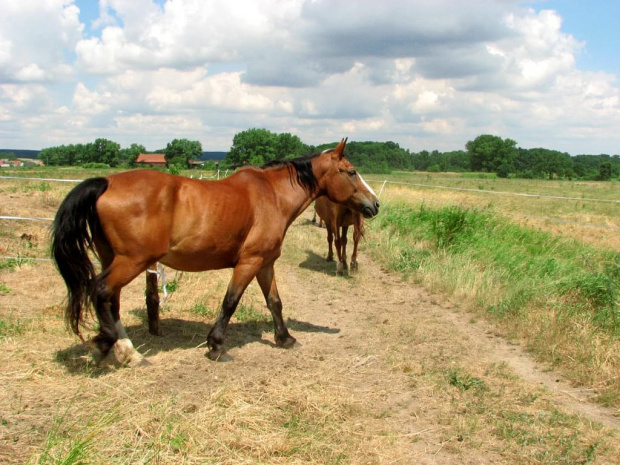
385,373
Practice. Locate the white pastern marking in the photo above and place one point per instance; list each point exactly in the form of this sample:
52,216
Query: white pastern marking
126,353
366,185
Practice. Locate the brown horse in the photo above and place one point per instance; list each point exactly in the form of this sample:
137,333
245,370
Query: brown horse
338,218
134,219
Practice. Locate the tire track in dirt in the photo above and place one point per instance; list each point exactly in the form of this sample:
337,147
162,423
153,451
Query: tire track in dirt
498,349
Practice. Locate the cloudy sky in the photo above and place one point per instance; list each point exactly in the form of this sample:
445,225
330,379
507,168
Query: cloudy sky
427,75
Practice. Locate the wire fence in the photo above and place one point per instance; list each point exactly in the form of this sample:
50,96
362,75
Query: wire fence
509,194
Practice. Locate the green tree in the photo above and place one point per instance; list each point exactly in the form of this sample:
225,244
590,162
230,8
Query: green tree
104,151
488,153
421,160
183,148
550,163
605,171
289,146
63,155
130,154
253,147
503,170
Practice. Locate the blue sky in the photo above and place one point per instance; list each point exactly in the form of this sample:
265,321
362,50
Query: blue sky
596,23
426,75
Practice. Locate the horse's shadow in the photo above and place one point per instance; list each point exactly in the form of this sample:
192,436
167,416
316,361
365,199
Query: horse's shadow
315,262
180,334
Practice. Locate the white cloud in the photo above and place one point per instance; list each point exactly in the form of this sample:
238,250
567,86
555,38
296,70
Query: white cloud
90,103
35,37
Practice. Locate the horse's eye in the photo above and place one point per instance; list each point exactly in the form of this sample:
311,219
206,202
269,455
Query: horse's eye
352,172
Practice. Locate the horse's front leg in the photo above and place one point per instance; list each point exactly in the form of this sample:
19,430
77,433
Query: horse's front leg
341,249
243,274
267,281
330,241
356,238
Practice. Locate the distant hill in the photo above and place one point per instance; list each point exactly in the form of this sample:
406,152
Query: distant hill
21,153
213,156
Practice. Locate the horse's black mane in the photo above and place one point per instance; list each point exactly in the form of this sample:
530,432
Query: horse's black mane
302,166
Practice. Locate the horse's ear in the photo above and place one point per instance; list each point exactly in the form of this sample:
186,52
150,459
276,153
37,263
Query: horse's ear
341,146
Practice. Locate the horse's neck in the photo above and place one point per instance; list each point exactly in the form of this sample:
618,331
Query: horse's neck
293,199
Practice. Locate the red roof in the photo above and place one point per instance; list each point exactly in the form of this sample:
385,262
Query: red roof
151,158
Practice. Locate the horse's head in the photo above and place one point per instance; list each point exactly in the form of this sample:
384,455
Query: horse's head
343,184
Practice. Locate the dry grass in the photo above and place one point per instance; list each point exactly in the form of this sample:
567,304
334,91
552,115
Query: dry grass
385,375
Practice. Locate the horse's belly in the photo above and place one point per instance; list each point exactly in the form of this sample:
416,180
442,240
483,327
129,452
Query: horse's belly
198,260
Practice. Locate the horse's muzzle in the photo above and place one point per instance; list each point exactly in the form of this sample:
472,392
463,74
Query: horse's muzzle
370,209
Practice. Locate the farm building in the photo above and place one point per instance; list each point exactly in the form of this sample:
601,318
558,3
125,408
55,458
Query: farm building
151,159
10,163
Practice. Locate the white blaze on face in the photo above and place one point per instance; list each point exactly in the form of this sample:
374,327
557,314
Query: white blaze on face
366,185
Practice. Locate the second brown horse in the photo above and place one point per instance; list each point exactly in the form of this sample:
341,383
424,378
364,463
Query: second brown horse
338,218
137,218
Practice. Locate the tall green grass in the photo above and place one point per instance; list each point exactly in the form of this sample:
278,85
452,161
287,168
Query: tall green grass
506,268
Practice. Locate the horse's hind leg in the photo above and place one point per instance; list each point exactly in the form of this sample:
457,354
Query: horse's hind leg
111,331
108,333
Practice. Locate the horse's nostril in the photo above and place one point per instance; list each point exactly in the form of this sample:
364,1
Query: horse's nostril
377,205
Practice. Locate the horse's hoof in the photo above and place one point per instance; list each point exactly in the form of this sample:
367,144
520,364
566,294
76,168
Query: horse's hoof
354,267
341,269
329,259
218,356
97,356
287,343
156,332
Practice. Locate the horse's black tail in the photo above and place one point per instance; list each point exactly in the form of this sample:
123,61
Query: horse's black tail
73,230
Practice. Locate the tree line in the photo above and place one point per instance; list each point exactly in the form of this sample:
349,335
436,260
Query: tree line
109,153
486,153
492,154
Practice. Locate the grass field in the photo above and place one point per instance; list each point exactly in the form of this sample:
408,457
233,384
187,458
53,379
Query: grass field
386,372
